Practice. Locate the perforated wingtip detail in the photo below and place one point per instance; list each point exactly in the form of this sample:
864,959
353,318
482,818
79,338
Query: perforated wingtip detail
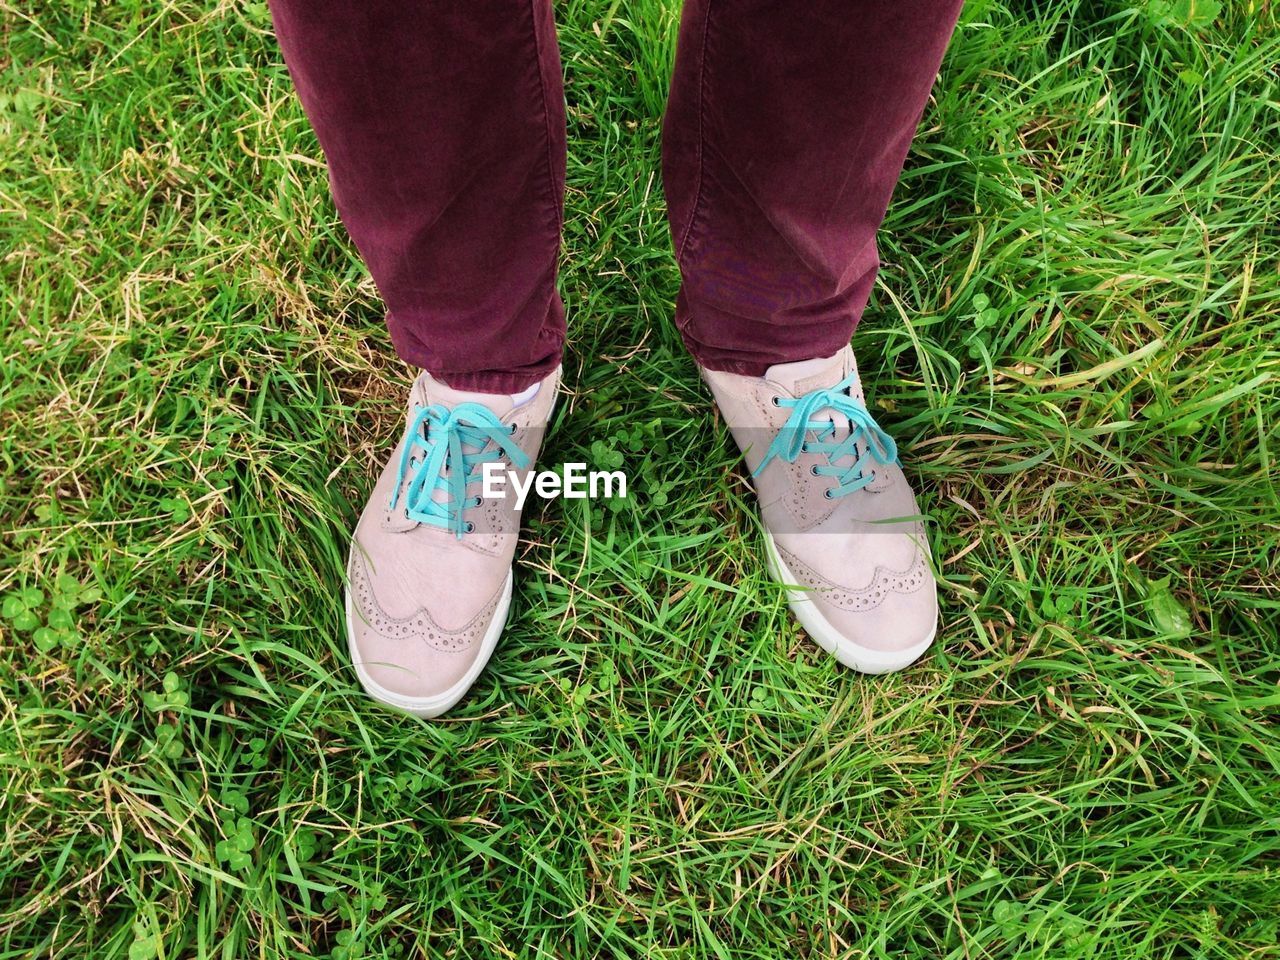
420,625
862,600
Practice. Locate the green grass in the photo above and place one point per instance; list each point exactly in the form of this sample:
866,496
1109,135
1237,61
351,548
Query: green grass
196,389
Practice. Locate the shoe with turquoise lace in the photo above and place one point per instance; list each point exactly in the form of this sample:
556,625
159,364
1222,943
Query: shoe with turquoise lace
429,576
842,530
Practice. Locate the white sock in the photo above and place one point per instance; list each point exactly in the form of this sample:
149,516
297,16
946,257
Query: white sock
524,396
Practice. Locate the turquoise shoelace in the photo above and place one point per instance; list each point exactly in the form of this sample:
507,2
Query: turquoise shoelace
807,432
446,451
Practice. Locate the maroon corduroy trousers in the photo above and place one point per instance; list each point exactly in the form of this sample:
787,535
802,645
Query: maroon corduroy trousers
444,129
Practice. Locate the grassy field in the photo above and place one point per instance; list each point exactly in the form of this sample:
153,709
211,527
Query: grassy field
1076,339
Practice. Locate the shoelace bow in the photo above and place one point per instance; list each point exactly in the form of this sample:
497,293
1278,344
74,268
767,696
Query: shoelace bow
446,451
806,432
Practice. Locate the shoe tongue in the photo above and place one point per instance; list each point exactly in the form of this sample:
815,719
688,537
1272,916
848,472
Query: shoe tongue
428,390
803,376
800,377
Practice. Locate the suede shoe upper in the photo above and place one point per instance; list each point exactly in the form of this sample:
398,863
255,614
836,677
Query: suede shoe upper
431,559
833,498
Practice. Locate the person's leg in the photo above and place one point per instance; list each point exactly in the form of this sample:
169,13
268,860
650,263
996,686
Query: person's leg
786,132
443,126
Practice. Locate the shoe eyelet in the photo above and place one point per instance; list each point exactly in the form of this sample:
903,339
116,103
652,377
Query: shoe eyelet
813,470
776,401
827,494
469,528
512,430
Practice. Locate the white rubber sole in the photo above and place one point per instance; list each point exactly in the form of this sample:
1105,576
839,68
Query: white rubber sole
430,707
824,634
